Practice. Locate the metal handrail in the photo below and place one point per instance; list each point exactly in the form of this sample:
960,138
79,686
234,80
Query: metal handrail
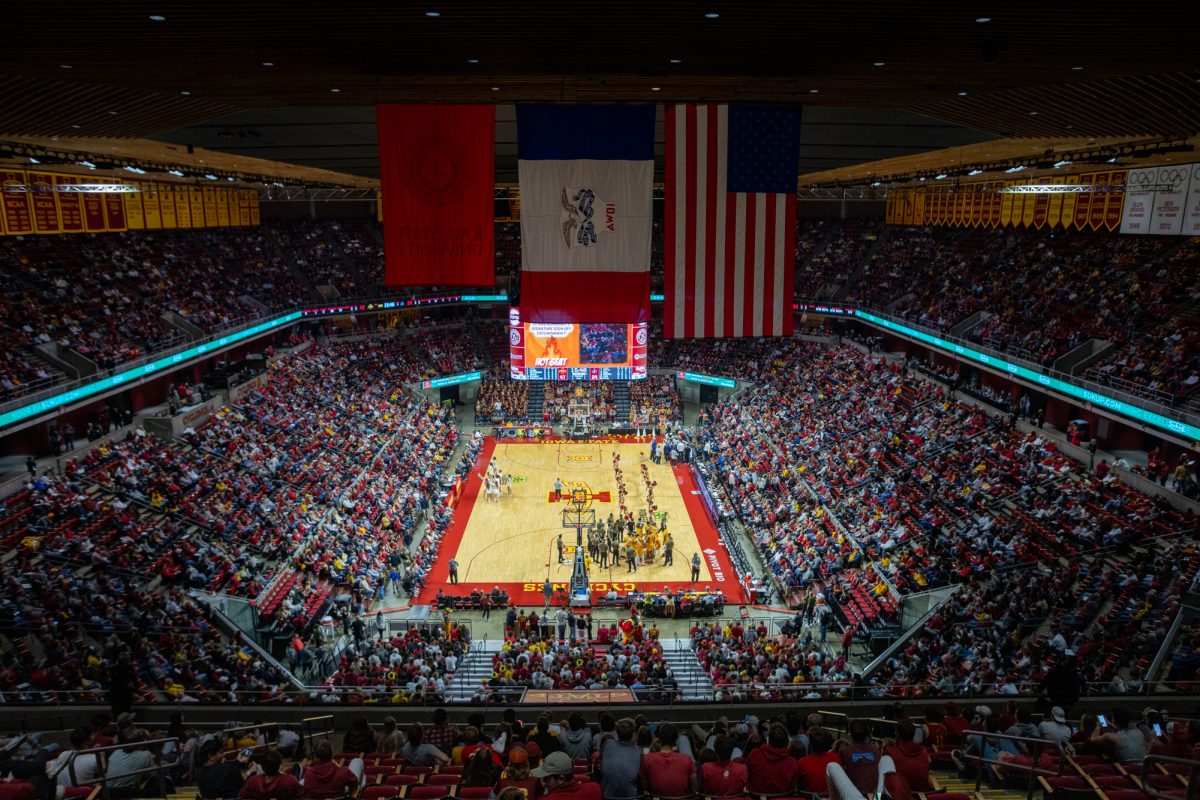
1032,769
101,754
1193,778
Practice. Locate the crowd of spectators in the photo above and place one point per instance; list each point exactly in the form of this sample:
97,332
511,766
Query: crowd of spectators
502,397
828,252
559,395
655,398
411,667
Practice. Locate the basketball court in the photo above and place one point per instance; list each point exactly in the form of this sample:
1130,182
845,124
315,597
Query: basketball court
513,543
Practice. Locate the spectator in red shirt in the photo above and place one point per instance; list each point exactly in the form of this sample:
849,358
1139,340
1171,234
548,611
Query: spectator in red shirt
324,778
771,768
724,777
910,757
517,775
557,774
810,770
668,773
955,723
270,784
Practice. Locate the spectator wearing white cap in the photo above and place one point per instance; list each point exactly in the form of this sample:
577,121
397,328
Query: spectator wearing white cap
1055,728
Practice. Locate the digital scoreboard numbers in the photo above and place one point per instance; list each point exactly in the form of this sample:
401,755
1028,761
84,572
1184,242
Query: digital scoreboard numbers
576,351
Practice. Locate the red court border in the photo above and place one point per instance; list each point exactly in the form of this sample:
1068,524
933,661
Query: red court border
706,535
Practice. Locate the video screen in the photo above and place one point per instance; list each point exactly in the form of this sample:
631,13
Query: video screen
601,351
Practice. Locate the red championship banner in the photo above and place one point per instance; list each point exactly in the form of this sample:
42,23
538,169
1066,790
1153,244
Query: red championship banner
939,207
962,208
919,207
1067,217
70,205
93,209
168,205
436,167
18,206
114,210
135,218
150,206
977,201
1095,220
1083,201
45,203
996,198
1116,199
1041,205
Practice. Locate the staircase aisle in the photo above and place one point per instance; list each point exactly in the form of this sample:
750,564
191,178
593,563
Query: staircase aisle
621,401
537,399
475,668
693,681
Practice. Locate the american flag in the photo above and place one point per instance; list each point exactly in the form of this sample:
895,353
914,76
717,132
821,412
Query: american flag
730,220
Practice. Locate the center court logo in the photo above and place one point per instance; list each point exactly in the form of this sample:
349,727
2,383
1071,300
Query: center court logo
584,216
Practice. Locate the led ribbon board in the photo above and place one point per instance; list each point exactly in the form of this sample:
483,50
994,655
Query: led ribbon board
452,380
711,380
131,375
1095,398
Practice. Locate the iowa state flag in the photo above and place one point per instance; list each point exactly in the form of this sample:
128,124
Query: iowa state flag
436,177
586,175
730,219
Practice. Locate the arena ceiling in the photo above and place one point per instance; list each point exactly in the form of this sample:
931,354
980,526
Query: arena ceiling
297,83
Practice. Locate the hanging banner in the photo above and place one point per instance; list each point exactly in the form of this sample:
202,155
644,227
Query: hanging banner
1139,201
1170,197
168,204
254,208
45,203
1067,217
1083,202
910,204
18,210
1116,199
93,209
1041,206
977,200
1191,215
1006,206
208,196
244,206
919,207
114,210
1095,219
222,208
997,198
183,206
70,205
150,207
196,206
1054,209
135,220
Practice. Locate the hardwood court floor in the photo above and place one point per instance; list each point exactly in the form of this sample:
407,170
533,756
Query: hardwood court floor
513,541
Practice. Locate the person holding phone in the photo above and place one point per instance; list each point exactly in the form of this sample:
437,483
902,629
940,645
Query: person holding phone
1127,741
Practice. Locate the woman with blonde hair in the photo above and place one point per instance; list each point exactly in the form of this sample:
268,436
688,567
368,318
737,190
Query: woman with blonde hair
390,739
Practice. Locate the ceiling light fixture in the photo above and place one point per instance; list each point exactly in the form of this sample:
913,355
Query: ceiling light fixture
87,164
335,91
975,172
268,63
676,60
876,183
211,177
157,18
186,93
75,126
712,15
177,173
962,94
472,60
813,91
1033,113
941,176
1061,163
33,160
64,66
1017,168
656,88
880,63
982,20
113,113
135,170
433,13
495,88
1076,69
